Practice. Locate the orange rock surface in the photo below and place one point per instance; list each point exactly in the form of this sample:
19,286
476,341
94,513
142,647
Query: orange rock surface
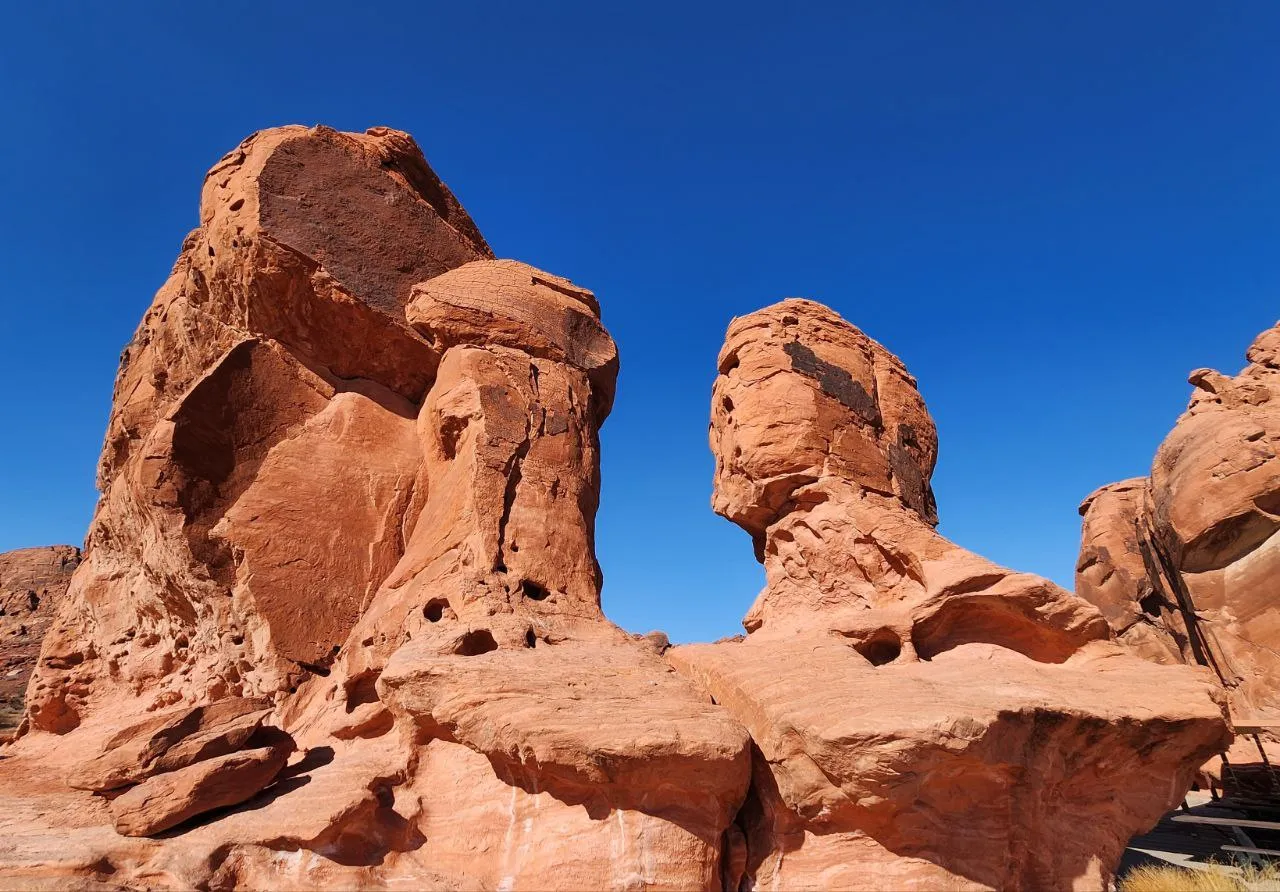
338,623
352,470
1183,562
32,583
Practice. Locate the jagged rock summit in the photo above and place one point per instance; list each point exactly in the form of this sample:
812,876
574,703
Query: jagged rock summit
338,620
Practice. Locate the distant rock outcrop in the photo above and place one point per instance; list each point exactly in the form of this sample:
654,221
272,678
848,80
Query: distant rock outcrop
338,622
1184,563
32,583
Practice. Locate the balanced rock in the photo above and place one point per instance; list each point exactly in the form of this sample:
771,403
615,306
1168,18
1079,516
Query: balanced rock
922,717
32,583
1183,562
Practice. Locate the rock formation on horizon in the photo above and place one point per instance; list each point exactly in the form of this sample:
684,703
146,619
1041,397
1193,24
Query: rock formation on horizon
1182,562
338,620
32,583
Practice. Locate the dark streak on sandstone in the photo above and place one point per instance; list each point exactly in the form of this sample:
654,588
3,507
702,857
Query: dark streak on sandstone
835,382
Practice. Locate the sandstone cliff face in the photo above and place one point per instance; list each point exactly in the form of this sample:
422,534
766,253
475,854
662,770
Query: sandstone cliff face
922,717
1183,562
32,583
338,623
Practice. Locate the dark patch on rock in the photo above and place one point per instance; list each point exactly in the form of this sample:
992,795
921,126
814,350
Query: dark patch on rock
911,482
835,382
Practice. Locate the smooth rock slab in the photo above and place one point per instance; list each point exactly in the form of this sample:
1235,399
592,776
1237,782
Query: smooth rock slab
167,800
608,725
168,741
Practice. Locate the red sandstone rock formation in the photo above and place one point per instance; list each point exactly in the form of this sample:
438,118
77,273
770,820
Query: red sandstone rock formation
338,623
32,583
922,718
1183,563
352,468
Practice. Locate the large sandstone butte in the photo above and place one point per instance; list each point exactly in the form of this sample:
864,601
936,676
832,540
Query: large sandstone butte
1183,562
32,583
338,623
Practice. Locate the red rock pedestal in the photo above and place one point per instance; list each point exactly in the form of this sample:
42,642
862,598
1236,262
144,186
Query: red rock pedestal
921,717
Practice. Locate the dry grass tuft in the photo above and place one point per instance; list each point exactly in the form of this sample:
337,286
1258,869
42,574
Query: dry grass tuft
1181,879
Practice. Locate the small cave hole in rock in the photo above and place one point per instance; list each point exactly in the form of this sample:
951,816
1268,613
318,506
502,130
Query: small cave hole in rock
451,430
237,204
533,591
1151,604
881,648
476,642
790,320
530,639
727,404
434,611
362,689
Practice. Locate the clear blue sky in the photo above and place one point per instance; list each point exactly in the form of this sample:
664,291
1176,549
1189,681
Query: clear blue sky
1051,211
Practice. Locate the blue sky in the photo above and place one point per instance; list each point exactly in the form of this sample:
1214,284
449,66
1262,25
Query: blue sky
1051,211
